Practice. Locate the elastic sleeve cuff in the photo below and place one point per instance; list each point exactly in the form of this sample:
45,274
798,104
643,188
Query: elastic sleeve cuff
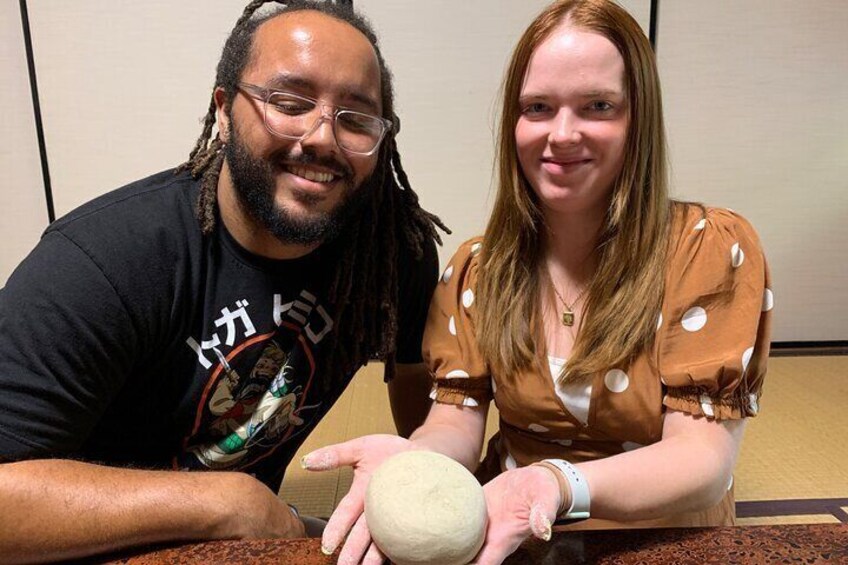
697,403
462,392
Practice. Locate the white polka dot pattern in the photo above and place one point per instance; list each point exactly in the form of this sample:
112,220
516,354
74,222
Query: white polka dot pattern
768,300
707,405
737,256
468,298
446,276
694,319
576,397
616,380
746,358
703,345
753,403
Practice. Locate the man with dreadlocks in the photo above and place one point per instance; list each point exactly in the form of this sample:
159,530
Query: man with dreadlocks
207,318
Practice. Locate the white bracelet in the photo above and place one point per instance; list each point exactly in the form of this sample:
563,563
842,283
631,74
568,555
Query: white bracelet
579,509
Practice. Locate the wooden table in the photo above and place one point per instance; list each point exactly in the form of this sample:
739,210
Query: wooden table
809,543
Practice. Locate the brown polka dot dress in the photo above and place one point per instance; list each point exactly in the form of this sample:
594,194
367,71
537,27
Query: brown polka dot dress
708,359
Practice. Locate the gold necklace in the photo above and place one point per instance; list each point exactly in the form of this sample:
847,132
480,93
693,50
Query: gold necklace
568,313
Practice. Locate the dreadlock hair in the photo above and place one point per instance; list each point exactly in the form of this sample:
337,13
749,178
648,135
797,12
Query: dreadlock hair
365,299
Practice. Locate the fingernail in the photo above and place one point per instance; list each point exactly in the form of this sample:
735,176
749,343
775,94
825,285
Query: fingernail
540,523
319,461
546,534
326,551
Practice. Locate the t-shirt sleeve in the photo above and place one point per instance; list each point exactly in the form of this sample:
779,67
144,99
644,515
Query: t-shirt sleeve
713,337
417,278
460,374
65,347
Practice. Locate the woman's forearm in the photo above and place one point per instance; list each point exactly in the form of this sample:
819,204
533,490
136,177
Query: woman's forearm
455,431
686,472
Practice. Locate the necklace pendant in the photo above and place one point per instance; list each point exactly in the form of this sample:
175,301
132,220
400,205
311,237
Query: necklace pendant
568,318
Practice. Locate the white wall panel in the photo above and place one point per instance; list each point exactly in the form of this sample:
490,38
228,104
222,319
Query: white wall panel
448,60
124,89
756,97
23,207
124,86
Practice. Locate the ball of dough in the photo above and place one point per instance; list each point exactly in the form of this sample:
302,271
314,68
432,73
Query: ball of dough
424,508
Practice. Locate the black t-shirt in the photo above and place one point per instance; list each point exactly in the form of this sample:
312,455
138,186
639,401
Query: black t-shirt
127,337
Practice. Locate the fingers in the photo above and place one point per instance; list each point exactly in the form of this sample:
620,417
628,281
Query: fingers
332,456
492,553
358,541
374,556
344,517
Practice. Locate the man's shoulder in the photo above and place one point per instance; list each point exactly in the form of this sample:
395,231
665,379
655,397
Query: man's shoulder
164,199
139,231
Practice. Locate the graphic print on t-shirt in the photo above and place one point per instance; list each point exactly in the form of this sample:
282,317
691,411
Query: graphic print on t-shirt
256,397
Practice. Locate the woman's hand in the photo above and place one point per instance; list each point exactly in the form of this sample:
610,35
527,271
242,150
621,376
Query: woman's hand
520,502
364,454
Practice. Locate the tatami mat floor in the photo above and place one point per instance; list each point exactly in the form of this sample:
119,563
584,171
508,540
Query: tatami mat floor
793,467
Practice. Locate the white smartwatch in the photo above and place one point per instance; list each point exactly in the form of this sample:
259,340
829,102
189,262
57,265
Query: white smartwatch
579,509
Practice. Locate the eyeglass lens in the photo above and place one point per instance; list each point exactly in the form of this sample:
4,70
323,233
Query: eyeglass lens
293,116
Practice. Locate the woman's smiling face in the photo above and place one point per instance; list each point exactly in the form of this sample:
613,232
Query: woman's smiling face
574,116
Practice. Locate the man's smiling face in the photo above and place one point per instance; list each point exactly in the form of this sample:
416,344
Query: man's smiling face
301,191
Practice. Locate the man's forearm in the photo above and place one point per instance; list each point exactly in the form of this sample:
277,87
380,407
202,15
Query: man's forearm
409,396
61,509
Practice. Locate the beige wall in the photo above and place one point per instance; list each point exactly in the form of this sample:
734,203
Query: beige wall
755,94
24,210
124,86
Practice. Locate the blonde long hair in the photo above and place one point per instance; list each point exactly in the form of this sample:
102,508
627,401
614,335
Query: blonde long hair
625,296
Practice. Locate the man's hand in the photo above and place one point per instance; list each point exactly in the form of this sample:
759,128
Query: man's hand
364,454
261,513
519,503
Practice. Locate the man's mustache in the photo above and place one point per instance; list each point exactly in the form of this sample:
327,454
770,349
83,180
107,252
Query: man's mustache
285,158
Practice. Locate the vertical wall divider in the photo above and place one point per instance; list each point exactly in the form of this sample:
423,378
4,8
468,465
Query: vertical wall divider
652,32
36,108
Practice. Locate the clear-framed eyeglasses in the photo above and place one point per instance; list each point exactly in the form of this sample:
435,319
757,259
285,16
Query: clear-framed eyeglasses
296,117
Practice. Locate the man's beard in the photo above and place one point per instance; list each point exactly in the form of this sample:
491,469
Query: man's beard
255,187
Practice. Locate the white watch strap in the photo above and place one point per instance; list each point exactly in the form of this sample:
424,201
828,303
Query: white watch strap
579,508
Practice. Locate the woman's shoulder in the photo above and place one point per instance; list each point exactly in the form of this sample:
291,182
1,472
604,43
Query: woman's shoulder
470,247
697,229
689,217
464,259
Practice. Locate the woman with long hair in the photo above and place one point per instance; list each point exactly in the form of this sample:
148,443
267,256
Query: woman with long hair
622,335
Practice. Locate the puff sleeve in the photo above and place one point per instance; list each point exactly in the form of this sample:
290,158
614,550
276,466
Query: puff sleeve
450,350
713,337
